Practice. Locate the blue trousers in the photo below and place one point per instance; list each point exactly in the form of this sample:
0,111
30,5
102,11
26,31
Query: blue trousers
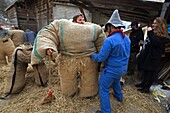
106,81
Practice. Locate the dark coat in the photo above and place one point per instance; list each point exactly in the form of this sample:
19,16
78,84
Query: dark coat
150,56
135,37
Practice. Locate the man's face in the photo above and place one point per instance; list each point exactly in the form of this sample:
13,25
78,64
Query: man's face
80,20
133,27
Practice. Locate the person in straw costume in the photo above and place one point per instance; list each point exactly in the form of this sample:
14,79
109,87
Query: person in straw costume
6,46
75,43
115,53
17,36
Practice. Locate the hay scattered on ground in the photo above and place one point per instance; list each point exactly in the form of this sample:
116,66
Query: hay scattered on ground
28,100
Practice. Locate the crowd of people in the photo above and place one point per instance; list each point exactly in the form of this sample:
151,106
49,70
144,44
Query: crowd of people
89,45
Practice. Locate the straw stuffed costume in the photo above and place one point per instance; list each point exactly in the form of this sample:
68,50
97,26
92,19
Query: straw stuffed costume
6,46
75,42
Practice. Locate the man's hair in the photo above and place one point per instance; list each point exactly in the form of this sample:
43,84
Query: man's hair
135,23
76,16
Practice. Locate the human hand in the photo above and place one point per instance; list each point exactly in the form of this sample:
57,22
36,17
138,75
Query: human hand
49,52
149,28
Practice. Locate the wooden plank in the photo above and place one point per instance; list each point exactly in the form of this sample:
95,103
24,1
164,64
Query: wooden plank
129,3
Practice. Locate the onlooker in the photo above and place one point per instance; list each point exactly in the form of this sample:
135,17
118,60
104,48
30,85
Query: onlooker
6,46
115,54
150,56
79,19
137,38
29,36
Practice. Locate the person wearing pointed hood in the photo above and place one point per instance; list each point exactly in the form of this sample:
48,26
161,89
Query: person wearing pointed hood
115,53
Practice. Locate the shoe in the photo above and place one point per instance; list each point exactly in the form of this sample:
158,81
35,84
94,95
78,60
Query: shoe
139,85
144,90
120,100
98,111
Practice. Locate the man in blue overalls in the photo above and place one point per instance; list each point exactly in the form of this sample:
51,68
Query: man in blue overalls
115,54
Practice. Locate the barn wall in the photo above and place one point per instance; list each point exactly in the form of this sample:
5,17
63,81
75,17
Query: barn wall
26,19
61,11
12,16
22,15
43,13
99,18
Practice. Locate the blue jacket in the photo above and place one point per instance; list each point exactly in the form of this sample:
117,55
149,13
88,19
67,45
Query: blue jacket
29,37
115,53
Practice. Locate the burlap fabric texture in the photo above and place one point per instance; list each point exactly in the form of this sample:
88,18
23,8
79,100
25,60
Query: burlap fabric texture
17,37
75,41
40,74
78,76
6,49
15,78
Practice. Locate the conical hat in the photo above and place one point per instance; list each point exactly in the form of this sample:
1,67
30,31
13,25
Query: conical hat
115,20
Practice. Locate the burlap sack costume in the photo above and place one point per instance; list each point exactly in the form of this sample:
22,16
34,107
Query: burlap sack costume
6,49
17,37
15,78
75,42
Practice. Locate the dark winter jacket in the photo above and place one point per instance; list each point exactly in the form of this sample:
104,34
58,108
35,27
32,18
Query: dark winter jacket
135,37
150,55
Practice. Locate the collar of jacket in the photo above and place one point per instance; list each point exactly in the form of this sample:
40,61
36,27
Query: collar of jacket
117,31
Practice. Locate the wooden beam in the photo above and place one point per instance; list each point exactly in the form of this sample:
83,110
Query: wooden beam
129,3
47,5
82,11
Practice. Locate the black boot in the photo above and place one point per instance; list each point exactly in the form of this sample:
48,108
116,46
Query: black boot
140,85
144,90
98,111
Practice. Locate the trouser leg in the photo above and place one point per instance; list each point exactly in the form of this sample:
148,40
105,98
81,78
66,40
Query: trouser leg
117,90
8,52
88,78
68,76
2,54
132,63
104,86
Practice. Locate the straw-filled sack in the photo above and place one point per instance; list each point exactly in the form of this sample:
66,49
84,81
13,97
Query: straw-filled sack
72,39
76,42
40,74
6,49
15,78
17,37
78,75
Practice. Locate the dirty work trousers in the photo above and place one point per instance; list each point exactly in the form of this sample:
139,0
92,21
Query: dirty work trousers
132,63
78,76
6,49
106,81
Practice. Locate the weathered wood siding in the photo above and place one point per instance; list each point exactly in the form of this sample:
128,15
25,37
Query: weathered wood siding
22,15
67,11
12,16
26,19
43,11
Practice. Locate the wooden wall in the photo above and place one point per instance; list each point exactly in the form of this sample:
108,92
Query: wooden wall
12,16
23,15
43,11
